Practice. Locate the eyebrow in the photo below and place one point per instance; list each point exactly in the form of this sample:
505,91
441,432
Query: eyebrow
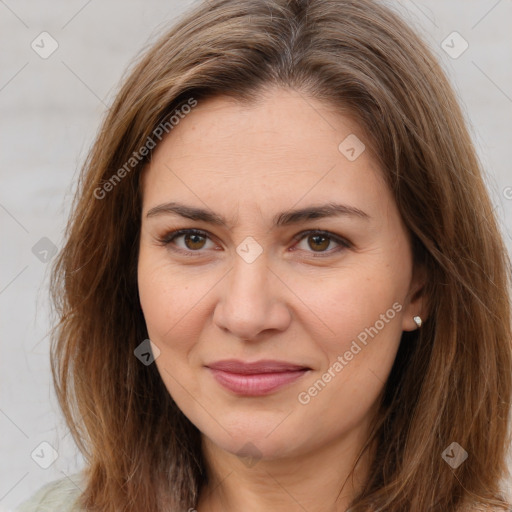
285,218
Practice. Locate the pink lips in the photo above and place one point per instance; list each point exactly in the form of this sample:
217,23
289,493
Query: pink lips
255,379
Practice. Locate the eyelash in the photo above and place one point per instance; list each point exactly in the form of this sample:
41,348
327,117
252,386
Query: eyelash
171,236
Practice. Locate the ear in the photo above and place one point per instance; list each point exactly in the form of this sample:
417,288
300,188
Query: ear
415,303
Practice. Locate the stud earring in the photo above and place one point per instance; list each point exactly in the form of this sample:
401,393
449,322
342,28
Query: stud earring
418,321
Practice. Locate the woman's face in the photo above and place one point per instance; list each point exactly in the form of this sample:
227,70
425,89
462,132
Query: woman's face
257,282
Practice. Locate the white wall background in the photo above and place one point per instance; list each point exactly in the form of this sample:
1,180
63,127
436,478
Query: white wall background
50,111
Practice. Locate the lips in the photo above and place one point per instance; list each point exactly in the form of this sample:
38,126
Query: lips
255,378
266,366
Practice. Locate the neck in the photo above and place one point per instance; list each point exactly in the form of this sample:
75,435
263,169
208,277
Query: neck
322,479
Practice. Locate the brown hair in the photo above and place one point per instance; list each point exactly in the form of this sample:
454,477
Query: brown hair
451,380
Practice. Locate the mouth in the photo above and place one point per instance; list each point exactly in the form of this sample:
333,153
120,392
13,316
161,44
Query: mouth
256,378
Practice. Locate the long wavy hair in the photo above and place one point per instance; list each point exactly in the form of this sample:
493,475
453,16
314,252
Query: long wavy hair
452,379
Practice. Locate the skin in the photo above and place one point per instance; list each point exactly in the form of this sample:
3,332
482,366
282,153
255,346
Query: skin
303,301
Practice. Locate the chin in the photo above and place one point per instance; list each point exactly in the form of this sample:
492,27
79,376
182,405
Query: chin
255,443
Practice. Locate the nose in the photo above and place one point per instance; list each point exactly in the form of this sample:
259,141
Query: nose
252,301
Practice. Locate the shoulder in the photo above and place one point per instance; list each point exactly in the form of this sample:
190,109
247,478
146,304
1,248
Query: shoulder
56,496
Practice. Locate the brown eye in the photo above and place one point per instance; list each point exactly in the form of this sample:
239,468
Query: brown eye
186,241
194,241
318,242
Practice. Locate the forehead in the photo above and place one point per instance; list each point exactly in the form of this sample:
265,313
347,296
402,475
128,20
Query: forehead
284,147
280,120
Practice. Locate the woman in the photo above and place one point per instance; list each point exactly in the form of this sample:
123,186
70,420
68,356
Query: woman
283,286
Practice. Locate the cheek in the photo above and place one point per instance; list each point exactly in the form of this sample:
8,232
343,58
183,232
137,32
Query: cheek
170,300
359,335
342,306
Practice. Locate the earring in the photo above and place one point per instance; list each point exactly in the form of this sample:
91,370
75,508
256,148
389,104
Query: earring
418,321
